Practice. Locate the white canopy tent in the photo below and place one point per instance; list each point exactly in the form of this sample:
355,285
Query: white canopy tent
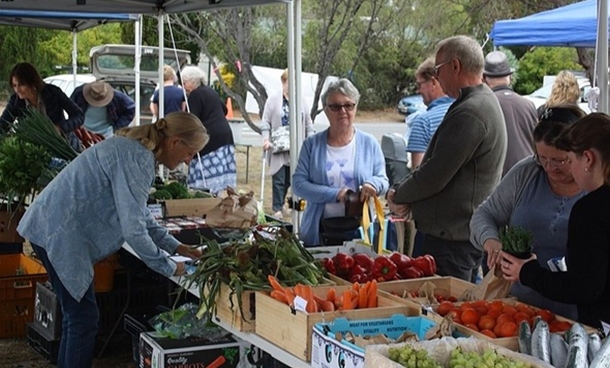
163,7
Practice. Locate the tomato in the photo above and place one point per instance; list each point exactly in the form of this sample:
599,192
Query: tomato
509,310
495,313
546,315
489,333
497,304
469,315
504,318
509,329
444,308
487,323
472,326
521,316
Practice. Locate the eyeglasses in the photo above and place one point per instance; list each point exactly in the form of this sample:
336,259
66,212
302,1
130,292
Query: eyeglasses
552,161
438,67
419,84
338,107
192,149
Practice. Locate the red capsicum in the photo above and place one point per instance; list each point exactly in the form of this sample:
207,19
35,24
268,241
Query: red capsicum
363,261
343,263
411,273
383,268
329,265
426,263
401,260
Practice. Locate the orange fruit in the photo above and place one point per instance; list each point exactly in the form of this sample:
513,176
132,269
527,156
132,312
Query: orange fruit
444,308
487,323
472,326
510,310
489,333
509,329
469,315
502,318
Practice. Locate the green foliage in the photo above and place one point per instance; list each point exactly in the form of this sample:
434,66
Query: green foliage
542,61
21,164
516,240
15,50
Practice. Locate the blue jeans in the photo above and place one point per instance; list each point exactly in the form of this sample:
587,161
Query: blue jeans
281,183
80,320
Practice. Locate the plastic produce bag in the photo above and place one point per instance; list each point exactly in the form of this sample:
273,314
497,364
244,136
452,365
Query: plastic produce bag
182,322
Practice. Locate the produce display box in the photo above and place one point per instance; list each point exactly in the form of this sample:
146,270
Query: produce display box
47,311
376,356
446,286
45,345
511,343
231,314
349,248
103,273
18,277
327,351
191,352
196,207
291,330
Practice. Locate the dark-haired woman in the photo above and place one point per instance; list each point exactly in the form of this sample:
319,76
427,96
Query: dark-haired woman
537,195
587,280
32,92
93,206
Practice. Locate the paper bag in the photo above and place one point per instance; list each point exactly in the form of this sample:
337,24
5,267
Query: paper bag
234,211
493,286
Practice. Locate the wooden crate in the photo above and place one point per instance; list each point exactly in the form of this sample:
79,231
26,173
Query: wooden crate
232,315
194,207
292,330
445,286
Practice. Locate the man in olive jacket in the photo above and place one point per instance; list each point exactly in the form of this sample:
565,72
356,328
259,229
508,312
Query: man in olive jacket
462,165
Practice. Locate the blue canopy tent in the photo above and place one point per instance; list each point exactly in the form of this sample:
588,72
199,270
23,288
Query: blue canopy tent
571,25
582,24
67,21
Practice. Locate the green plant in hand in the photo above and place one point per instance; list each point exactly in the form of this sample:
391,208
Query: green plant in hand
410,357
516,240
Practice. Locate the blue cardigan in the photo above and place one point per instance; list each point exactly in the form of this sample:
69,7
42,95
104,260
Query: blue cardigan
310,180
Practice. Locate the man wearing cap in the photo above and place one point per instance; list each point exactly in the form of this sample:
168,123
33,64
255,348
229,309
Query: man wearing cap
106,110
519,112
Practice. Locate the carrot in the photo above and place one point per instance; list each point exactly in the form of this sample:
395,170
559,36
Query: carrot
327,306
298,290
279,296
289,296
274,283
347,300
372,296
318,299
356,286
362,298
312,306
331,294
338,302
354,299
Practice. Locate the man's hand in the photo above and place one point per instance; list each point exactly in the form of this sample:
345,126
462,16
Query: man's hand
403,210
180,269
188,251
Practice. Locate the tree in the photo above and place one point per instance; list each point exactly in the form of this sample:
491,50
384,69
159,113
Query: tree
544,61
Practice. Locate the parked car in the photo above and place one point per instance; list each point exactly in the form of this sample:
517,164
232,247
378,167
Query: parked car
115,65
410,104
539,96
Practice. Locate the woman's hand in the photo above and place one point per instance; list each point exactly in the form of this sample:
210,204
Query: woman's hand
511,266
342,195
266,144
493,248
367,190
191,251
180,269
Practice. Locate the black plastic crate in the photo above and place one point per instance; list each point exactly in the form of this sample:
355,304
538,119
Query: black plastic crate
47,311
43,344
11,248
135,325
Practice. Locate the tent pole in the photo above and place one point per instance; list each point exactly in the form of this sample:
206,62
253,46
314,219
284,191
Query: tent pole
602,57
160,20
136,68
74,57
294,117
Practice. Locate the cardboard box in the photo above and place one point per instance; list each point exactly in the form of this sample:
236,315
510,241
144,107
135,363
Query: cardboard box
47,311
291,330
196,207
192,352
227,309
327,351
446,286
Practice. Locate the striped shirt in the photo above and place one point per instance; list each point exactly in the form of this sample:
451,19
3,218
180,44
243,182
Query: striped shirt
424,125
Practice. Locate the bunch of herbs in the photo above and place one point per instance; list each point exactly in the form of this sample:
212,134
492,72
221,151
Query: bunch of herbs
516,240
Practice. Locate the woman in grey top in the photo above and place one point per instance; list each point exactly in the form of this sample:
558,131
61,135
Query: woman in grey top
537,194
97,203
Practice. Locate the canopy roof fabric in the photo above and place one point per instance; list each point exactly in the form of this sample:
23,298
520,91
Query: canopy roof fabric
572,25
68,21
131,6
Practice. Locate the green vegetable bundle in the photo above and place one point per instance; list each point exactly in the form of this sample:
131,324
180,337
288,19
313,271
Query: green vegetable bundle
516,240
245,264
36,128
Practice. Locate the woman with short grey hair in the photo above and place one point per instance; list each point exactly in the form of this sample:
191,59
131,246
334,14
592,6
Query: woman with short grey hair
333,163
214,168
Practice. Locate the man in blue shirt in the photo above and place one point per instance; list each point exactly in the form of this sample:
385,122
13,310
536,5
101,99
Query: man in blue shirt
424,124
106,110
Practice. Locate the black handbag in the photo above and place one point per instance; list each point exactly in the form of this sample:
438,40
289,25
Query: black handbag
336,230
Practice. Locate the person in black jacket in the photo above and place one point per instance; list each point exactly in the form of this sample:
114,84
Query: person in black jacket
215,167
587,280
32,92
